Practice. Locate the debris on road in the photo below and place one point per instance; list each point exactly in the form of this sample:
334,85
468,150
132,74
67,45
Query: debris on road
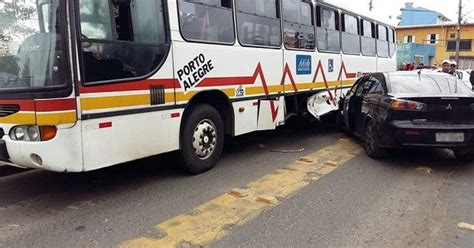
466,226
305,159
268,199
238,192
288,151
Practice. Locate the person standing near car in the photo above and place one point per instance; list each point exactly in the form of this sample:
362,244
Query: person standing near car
446,66
454,67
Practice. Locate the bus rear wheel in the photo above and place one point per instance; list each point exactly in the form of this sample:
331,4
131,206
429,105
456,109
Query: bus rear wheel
202,139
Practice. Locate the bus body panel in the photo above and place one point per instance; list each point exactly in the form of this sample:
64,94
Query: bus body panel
126,139
53,156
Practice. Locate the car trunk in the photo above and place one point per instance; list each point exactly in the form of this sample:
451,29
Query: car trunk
448,110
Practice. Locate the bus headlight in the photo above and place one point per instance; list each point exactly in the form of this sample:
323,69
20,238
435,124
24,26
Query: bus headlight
33,133
19,133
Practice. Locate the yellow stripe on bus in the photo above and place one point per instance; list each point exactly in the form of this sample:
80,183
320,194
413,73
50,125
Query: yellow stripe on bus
19,119
108,102
53,119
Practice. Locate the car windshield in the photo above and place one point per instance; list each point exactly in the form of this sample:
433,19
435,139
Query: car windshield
31,52
427,85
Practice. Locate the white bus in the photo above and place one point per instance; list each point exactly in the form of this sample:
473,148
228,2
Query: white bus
86,84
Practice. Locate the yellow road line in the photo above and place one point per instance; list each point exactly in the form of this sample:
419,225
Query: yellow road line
212,220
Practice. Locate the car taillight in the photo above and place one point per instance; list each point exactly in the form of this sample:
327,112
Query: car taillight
407,105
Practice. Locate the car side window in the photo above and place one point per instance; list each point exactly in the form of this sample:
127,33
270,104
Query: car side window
355,86
365,87
376,87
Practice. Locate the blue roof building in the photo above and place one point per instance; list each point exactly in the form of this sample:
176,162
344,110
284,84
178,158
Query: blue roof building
420,16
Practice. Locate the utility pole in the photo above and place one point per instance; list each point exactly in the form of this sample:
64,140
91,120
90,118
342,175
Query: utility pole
458,32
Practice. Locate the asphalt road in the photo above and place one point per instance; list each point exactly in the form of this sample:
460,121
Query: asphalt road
414,198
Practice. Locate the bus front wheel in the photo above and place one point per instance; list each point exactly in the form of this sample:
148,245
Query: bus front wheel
202,139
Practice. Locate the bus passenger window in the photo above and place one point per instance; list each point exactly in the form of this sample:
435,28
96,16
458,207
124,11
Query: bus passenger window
350,35
207,20
95,19
123,20
258,23
298,25
382,41
391,42
133,45
328,38
368,38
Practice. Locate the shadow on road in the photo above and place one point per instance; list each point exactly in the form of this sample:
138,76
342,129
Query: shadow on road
65,189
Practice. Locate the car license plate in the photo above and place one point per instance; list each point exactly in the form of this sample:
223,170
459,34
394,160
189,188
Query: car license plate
450,137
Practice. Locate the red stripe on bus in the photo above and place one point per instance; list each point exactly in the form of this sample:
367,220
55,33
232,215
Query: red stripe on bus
129,86
175,115
351,75
25,105
56,105
226,81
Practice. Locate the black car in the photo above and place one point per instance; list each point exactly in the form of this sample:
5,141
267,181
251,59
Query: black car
411,109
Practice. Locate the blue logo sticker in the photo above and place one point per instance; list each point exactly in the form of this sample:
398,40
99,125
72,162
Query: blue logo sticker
331,65
303,64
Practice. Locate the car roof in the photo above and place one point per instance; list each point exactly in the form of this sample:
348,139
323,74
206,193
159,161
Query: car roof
417,73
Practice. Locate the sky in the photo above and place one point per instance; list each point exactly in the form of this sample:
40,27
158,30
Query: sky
389,10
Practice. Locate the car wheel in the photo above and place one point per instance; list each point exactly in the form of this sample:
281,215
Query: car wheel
463,156
372,143
202,139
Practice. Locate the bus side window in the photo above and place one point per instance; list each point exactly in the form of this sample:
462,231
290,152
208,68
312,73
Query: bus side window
327,30
368,38
207,20
391,42
298,25
121,39
350,35
382,41
258,23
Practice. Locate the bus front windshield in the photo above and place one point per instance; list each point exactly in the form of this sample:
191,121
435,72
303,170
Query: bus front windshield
31,51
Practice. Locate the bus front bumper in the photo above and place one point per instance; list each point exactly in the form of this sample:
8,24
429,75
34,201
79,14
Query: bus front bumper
4,157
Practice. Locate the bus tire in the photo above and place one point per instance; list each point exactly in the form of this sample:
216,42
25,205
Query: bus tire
202,139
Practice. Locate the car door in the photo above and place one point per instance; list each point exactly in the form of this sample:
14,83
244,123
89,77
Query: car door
346,101
371,96
353,102
354,114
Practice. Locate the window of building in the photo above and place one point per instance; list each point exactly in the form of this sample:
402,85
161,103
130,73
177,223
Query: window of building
121,39
382,41
452,35
298,24
258,23
368,38
327,30
350,34
409,39
465,45
207,20
432,39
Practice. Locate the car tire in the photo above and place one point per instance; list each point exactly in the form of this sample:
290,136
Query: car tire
463,156
202,139
372,142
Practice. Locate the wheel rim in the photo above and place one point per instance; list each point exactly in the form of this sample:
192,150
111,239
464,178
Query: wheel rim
205,139
370,138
